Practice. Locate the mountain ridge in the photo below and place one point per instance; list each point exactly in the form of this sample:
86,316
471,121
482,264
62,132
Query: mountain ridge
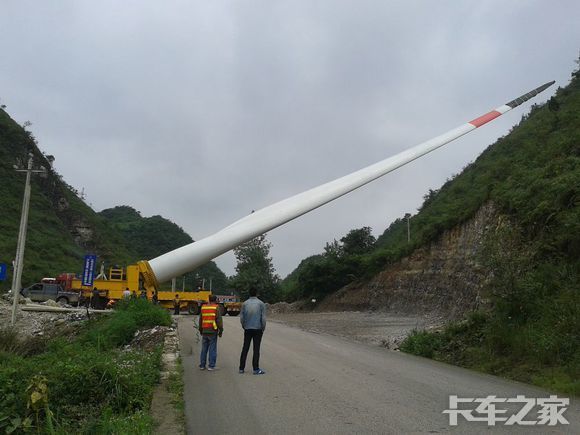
62,228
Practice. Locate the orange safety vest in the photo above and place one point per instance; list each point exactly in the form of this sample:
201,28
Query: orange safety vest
208,317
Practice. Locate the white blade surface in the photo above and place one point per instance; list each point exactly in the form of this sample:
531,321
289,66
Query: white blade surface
189,257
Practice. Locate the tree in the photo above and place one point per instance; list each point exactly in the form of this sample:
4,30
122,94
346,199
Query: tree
357,242
429,198
255,269
333,249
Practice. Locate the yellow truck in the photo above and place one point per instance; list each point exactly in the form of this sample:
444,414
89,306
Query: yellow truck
112,286
230,304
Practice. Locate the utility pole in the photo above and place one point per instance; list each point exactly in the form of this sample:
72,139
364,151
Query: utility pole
19,262
408,217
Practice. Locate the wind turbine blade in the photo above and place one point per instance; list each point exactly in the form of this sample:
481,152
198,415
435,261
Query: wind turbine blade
191,256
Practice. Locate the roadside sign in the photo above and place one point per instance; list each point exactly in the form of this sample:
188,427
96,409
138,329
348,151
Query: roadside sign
3,271
89,270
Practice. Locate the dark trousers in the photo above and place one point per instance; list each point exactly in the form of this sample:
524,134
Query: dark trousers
254,335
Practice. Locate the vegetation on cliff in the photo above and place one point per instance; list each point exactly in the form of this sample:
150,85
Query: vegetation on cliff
532,332
62,228
342,262
53,244
532,176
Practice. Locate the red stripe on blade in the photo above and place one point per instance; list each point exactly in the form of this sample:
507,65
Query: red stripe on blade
478,122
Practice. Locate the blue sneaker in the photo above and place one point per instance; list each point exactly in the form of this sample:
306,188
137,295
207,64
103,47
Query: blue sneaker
259,372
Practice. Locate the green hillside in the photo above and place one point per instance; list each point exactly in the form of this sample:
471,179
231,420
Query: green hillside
532,176
57,240
62,228
532,332
154,236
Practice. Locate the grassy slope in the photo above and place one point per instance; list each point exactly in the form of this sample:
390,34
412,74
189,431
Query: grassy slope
533,177
532,332
119,236
50,246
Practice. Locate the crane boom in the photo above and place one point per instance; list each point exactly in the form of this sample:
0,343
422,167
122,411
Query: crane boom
193,255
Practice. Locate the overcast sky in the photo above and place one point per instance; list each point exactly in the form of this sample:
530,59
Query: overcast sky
202,111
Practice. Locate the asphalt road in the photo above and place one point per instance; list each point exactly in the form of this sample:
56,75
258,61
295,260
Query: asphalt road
321,384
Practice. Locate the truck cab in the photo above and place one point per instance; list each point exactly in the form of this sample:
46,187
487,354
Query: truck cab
229,304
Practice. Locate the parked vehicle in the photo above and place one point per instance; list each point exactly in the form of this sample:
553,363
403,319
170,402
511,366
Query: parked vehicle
44,291
229,305
112,285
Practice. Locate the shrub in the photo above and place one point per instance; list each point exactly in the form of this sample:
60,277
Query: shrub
422,343
127,319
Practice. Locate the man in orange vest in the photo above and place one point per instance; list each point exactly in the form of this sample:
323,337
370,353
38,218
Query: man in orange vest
210,326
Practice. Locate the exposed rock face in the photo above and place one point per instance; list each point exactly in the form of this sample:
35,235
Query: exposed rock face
62,204
445,277
82,232
77,225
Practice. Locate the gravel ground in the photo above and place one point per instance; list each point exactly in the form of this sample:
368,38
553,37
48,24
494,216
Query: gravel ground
31,323
377,328
51,324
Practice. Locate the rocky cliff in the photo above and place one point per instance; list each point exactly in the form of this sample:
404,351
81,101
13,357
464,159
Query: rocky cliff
445,277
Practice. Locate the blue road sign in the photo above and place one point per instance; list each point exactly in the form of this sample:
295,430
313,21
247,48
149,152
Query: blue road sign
2,271
89,270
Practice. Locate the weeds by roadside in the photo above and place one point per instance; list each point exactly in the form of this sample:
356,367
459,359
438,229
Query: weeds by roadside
175,387
89,385
475,343
11,342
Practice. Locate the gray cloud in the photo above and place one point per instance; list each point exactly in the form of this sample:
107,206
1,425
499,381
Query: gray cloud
203,111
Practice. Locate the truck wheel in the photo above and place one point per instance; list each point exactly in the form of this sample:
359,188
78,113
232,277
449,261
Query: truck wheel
193,309
63,300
